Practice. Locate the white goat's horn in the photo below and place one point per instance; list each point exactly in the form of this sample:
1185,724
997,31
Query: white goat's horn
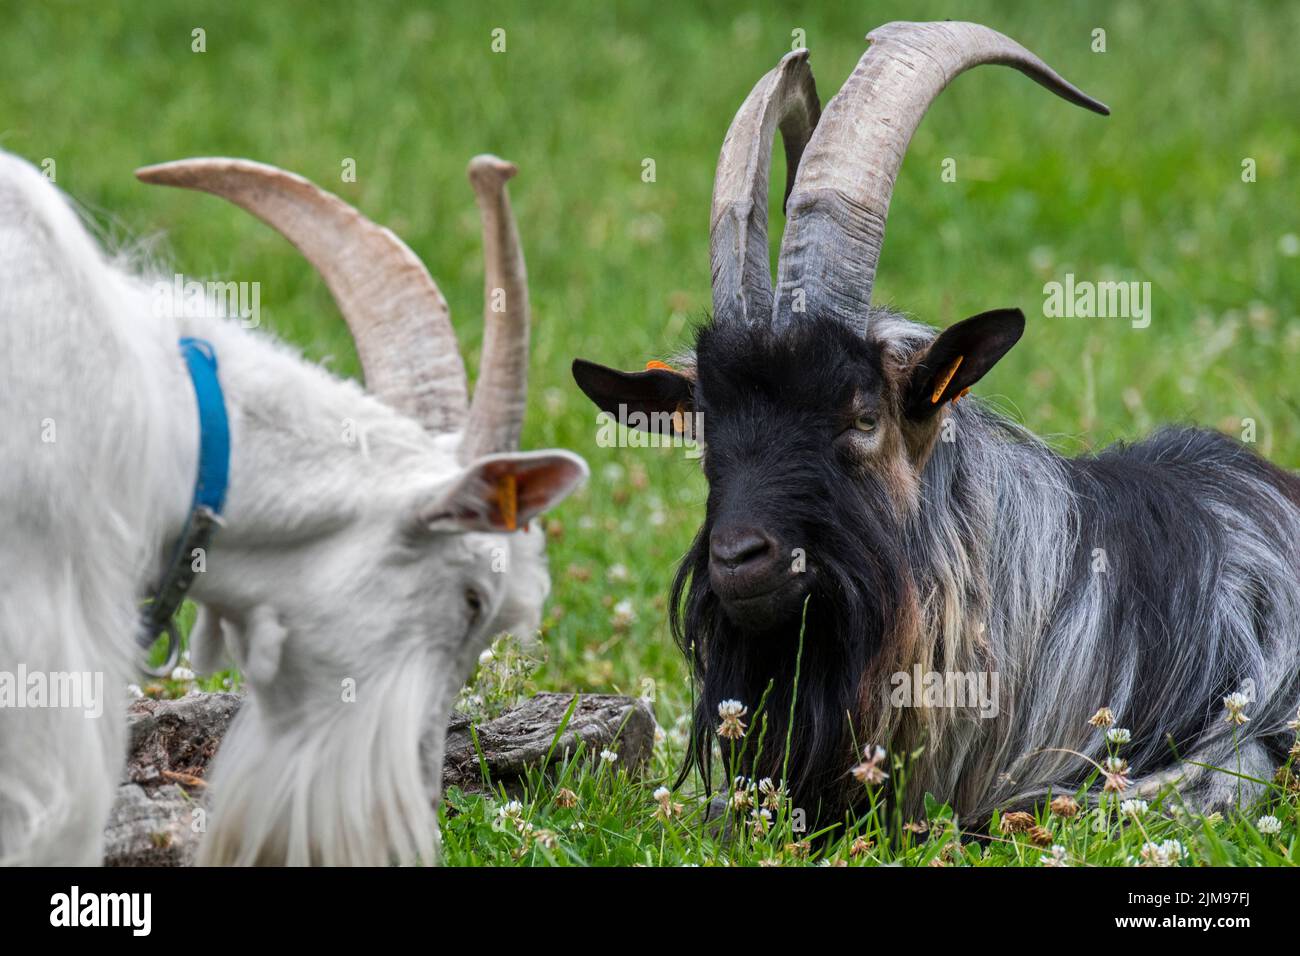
836,219
397,317
785,98
496,415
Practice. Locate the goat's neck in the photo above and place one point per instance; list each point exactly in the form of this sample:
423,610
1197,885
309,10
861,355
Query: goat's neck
310,455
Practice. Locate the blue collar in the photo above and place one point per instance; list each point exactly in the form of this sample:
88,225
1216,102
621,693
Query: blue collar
214,426
205,509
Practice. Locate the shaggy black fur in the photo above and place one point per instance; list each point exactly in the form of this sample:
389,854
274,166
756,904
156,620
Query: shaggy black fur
1186,619
774,409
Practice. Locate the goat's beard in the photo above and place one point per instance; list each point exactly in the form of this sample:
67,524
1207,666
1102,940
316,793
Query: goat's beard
857,594
354,784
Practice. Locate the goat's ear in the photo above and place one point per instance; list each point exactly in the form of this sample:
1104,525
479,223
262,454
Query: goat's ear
207,646
652,401
959,358
504,492
256,642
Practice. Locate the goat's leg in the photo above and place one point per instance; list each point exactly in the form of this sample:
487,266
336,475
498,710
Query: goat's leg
57,786
59,765
1221,784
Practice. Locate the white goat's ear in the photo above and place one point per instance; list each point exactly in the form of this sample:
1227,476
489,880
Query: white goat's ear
504,492
256,642
207,647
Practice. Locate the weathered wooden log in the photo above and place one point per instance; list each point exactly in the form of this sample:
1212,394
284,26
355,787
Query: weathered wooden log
525,736
154,820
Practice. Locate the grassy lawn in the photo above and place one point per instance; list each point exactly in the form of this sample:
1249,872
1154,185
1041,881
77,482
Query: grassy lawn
582,97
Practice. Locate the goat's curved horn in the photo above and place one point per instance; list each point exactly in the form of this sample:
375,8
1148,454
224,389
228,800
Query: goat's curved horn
785,98
836,220
393,308
496,415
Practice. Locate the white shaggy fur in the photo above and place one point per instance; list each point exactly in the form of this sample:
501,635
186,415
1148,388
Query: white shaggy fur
347,611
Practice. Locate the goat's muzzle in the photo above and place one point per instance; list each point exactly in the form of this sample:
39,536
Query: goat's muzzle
759,585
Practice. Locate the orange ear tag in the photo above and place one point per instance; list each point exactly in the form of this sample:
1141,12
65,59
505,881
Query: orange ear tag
947,377
679,420
679,416
508,501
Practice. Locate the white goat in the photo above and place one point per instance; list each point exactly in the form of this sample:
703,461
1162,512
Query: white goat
356,574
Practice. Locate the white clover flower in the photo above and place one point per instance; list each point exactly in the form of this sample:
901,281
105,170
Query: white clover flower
1133,808
618,574
511,810
1055,857
870,771
182,673
1235,704
1152,855
1119,735
1173,850
485,658
1168,853
1268,825
667,809
742,798
134,690
731,712
608,756
624,614
771,794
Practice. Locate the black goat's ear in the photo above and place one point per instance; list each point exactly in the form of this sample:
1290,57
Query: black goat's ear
653,401
959,358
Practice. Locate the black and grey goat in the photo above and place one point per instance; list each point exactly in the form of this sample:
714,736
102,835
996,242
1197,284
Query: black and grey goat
852,497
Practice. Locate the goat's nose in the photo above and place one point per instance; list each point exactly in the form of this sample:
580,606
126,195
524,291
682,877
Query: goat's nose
735,547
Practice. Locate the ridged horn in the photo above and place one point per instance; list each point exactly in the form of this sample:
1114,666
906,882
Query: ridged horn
393,308
496,415
836,212
786,99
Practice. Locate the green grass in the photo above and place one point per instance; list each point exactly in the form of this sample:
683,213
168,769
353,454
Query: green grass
612,818
587,809
619,267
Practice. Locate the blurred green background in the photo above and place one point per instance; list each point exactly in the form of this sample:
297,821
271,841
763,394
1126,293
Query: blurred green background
585,92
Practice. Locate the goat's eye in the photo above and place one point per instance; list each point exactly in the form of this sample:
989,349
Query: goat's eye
473,601
864,423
